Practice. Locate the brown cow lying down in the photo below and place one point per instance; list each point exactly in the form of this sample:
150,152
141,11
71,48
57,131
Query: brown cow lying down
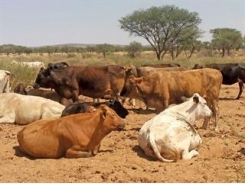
73,136
45,93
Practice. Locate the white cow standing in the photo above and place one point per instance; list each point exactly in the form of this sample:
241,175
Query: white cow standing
25,109
170,136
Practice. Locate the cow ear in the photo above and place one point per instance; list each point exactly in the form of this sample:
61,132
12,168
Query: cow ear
65,63
128,67
28,88
184,98
111,102
132,79
104,110
195,99
139,80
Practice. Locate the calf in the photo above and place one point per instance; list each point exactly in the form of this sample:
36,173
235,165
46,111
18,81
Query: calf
170,136
73,136
81,107
22,109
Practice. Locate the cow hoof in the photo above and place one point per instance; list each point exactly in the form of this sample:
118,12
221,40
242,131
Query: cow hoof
204,127
216,129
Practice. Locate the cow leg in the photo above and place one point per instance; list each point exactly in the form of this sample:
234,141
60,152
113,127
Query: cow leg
186,155
215,109
96,100
96,149
130,100
75,95
5,119
213,105
76,152
65,101
241,86
7,116
205,123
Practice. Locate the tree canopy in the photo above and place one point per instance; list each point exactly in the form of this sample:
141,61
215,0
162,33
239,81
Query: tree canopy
165,28
133,48
226,39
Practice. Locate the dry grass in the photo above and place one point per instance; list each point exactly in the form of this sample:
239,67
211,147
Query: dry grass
27,75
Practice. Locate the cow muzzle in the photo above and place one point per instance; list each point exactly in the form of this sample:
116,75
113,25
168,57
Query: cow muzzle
120,127
123,92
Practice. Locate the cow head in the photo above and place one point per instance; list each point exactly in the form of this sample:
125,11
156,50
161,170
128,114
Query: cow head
130,87
111,121
197,66
200,106
57,66
21,89
118,108
43,79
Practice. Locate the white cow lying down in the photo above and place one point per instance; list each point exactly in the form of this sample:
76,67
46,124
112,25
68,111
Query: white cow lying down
170,136
4,81
31,64
25,109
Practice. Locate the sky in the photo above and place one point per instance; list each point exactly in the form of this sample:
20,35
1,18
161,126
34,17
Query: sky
34,23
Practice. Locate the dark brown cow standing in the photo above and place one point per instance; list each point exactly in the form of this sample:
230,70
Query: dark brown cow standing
92,81
73,136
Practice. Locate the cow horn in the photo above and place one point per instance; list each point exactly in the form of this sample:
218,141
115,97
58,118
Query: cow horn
28,88
195,98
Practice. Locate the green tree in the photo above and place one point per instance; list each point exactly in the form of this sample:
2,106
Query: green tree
226,39
104,49
190,47
133,48
164,28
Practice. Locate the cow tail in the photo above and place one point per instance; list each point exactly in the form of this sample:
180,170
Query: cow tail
155,149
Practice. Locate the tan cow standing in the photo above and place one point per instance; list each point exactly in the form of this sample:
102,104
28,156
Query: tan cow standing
73,136
160,89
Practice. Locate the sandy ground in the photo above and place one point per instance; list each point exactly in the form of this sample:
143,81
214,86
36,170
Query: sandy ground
120,159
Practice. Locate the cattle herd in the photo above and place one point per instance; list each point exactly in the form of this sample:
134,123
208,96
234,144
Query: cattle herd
59,123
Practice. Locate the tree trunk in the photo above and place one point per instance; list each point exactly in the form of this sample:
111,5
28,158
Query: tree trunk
158,56
223,52
228,52
163,53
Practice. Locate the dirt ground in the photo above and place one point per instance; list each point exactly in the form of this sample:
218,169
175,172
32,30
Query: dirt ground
120,159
